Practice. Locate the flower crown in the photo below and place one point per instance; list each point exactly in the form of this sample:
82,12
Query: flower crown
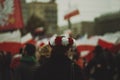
62,41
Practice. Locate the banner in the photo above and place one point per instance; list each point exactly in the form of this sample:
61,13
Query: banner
12,47
71,14
10,15
85,51
105,44
26,38
14,36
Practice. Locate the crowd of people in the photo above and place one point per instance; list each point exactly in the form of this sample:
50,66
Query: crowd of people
59,60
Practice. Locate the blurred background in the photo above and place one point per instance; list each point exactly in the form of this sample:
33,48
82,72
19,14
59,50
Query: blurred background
95,17
90,22
24,20
79,17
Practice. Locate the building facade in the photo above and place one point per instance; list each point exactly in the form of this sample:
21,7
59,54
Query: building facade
79,29
107,23
46,11
25,11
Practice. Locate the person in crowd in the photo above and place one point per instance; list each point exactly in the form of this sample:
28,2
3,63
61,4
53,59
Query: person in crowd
99,67
44,53
78,59
111,65
2,66
16,59
117,60
5,59
15,62
59,66
8,58
27,65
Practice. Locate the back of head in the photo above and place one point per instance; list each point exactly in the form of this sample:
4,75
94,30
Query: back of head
21,51
30,49
61,44
98,50
45,50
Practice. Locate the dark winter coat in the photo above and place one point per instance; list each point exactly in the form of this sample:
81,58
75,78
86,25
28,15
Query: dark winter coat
59,68
26,69
101,67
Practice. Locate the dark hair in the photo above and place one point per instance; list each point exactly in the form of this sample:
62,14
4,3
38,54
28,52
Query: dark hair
98,48
59,50
30,49
20,50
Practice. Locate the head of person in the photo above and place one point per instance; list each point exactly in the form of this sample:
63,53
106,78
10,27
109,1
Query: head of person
98,50
61,45
29,49
21,50
45,51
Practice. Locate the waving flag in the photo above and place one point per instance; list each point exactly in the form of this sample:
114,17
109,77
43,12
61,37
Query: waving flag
10,15
105,44
14,36
71,14
10,41
12,47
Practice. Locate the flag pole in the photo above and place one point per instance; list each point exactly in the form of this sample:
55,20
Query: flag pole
69,21
70,14
69,24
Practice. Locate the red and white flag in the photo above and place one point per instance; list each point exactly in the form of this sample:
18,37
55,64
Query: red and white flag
105,44
10,42
10,15
71,14
12,47
14,36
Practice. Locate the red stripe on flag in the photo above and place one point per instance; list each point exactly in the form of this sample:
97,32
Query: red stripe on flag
105,44
89,56
69,15
116,48
85,47
89,48
12,47
31,41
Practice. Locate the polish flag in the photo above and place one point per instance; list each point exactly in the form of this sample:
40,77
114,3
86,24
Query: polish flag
86,46
28,39
10,42
42,42
14,36
105,44
12,47
10,15
71,14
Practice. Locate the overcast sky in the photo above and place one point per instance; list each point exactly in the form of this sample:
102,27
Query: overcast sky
89,9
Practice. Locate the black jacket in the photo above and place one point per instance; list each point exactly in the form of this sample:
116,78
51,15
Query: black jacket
59,68
25,70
